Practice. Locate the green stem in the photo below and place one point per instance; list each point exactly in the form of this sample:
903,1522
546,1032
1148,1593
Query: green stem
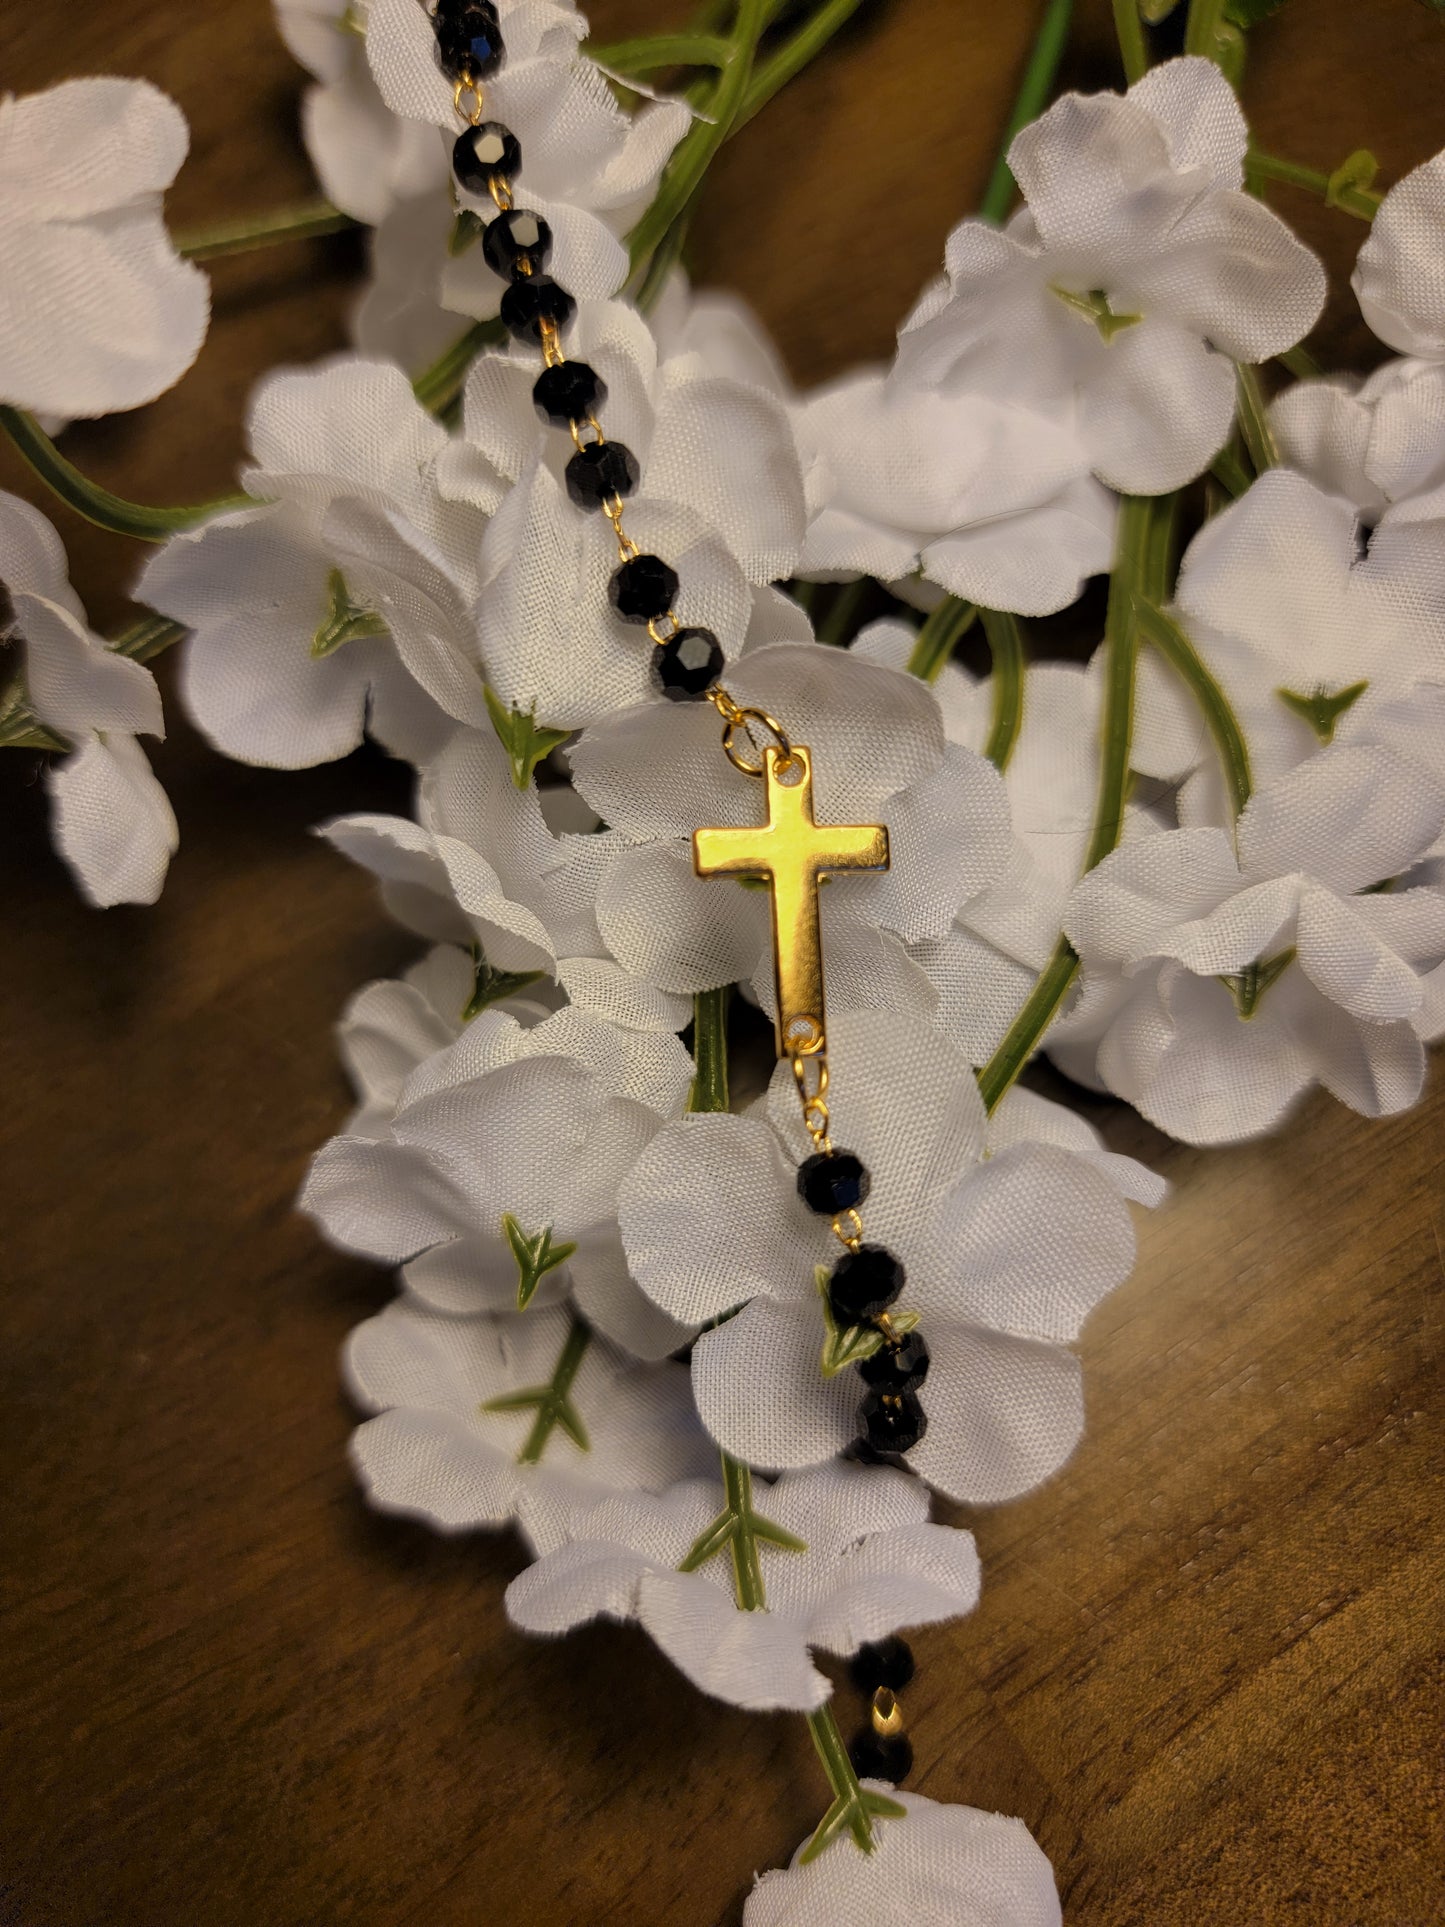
97,504
1230,472
694,152
1137,550
1133,46
438,386
773,74
262,231
854,1807
748,1584
1006,648
650,53
1300,363
553,1400
941,632
1034,90
838,625
1181,655
710,1050
1254,419
1362,202
149,638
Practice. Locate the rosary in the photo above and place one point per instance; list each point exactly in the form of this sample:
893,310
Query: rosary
792,853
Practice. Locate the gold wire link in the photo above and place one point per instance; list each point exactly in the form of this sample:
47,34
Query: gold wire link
886,1713
574,429
807,1062
500,189
853,1236
658,633
612,509
740,718
466,85
552,350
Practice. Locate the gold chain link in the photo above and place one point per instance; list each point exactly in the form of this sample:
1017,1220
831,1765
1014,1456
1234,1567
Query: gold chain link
467,85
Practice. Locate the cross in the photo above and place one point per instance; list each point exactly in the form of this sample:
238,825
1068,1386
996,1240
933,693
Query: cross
792,853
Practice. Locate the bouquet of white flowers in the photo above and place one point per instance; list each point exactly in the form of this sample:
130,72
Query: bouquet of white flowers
1203,870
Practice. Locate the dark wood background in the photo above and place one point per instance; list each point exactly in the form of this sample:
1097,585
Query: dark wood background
1205,1669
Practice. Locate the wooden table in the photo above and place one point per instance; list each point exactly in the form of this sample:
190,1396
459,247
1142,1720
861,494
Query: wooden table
1204,1668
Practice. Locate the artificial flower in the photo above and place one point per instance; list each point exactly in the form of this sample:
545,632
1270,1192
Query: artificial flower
1230,975
111,819
1119,299
1379,442
528,904
99,311
1399,278
732,520
880,756
1005,1256
477,1417
366,158
341,602
863,1563
587,168
496,1181
939,1866
1313,637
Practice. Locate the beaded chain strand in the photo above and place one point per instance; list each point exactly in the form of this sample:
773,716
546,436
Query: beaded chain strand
867,1280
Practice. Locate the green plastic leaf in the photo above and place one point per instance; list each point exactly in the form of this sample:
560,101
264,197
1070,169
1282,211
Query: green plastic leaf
491,986
738,1529
551,1402
525,743
536,1255
1094,306
1321,710
467,229
1355,174
1250,984
852,1813
346,621
847,1345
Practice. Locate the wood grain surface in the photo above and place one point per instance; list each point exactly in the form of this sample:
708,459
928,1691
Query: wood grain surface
1206,1666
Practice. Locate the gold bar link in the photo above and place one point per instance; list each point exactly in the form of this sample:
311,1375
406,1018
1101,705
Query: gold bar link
552,350
500,188
574,429
886,1713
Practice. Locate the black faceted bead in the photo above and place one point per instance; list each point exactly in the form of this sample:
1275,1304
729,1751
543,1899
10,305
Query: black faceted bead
687,665
881,1756
833,1181
530,302
893,1421
469,38
643,589
897,1368
601,470
883,1662
570,392
864,1282
480,153
517,243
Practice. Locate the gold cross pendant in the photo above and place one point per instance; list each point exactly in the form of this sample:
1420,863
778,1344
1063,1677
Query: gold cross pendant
792,853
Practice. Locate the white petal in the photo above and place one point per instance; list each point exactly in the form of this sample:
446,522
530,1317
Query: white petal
113,822
606,990
1129,904
74,683
760,1390
32,556
1399,277
1024,1117
1033,1240
1159,411
1198,112
1352,816
434,1467
1003,1413
1034,561
1345,959
683,932
385,1201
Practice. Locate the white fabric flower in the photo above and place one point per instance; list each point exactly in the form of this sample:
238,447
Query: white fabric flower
111,819
512,1134
1311,639
1379,442
341,605
587,168
1117,300
990,499
435,1452
98,312
1399,278
1232,976
879,756
1005,1254
366,158
941,1866
871,1565
720,497
483,866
